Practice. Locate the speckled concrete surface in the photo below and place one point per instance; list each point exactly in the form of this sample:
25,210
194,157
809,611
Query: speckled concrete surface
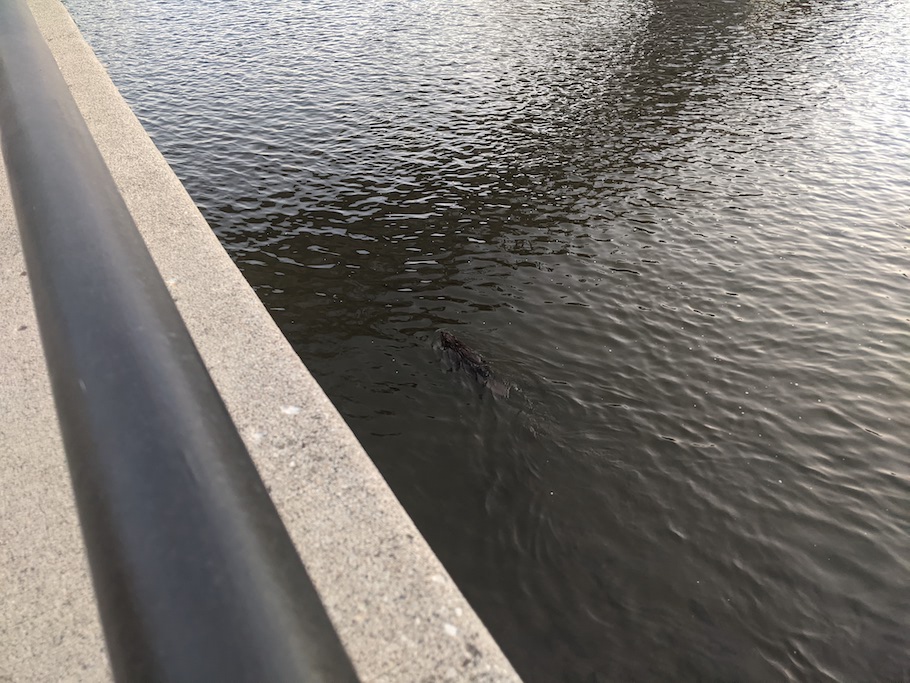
395,608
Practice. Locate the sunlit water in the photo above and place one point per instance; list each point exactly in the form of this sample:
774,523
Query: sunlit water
678,230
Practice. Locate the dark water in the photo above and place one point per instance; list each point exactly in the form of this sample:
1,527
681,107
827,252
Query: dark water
678,229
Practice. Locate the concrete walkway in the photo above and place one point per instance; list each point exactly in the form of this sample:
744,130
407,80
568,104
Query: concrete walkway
396,609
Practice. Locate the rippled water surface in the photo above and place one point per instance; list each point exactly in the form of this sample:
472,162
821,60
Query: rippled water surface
677,231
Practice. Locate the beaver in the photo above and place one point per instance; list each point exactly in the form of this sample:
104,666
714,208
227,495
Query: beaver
459,356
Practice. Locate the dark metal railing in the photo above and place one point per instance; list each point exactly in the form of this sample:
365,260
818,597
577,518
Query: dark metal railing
195,575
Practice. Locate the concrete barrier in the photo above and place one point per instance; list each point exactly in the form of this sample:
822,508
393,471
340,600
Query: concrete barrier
397,612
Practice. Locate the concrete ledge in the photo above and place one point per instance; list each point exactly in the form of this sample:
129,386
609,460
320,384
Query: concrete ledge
397,611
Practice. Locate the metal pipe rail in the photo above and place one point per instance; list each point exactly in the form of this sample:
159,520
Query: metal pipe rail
194,573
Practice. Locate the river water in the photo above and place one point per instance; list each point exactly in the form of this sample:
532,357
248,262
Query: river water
678,230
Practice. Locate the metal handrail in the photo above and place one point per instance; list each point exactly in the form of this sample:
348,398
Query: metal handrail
195,575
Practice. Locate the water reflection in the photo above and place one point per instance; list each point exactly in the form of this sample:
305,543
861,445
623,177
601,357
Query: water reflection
677,227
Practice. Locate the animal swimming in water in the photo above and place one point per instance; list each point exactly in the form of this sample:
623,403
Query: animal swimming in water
461,357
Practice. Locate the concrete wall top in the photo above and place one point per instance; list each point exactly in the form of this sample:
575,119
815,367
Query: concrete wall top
397,611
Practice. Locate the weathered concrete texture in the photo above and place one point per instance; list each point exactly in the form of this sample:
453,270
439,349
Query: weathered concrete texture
396,609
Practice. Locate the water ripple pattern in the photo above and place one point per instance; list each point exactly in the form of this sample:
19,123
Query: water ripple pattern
677,229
